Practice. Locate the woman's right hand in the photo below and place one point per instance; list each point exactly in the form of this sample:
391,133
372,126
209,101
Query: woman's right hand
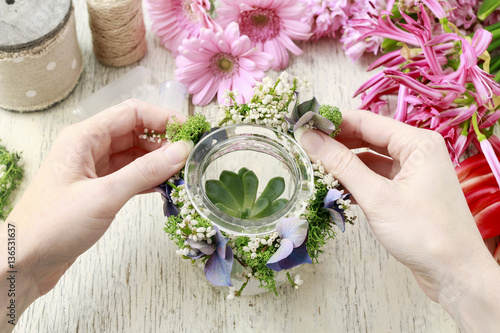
413,202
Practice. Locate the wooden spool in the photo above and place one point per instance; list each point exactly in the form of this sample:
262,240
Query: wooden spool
40,59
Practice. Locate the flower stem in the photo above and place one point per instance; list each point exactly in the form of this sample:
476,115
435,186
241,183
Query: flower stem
497,77
495,43
480,136
241,263
290,279
238,293
446,27
173,186
495,64
465,128
492,27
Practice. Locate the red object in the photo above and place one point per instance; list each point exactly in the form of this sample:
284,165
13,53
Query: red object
482,193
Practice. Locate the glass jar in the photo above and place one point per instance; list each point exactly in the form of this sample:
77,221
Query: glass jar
265,151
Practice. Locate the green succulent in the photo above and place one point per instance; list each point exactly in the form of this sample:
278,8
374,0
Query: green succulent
236,194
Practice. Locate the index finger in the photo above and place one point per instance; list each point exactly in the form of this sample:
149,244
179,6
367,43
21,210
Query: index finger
125,117
384,135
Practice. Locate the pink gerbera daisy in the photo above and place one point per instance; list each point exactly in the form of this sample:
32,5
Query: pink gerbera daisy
220,61
270,25
174,20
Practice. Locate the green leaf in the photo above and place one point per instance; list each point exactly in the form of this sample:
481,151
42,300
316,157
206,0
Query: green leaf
487,8
242,171
226,210
250,185
245,213
274,189
495,43
389,45
273,208
310,105
217,192
260,205
495,64
234,184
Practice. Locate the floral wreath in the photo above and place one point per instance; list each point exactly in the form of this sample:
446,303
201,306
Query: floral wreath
297,239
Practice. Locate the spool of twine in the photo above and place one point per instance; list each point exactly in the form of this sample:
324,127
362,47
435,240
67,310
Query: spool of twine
40,59
118,31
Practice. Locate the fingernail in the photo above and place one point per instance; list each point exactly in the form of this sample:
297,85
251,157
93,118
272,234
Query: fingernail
310,140
179,151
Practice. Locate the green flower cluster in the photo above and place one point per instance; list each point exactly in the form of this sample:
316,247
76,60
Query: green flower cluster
193,129
11,174
333,114
257,264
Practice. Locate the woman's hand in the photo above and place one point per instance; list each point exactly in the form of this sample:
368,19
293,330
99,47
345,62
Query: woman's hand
93,169
412,199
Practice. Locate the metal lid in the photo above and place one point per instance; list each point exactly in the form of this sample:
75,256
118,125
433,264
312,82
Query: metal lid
24,24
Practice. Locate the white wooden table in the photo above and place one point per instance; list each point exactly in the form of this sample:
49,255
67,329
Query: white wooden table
132,280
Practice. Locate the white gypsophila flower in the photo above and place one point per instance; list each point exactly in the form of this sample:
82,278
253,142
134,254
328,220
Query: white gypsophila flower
297,281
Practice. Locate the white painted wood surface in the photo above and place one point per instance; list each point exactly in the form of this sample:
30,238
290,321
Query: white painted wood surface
132,280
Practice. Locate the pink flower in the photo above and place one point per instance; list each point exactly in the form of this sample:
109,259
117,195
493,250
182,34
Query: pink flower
438,82
326,17
271,25
435,8
361,19
217,61
462,12
491,157
175,20
383,27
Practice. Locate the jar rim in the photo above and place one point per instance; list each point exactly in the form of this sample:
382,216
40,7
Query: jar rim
277,144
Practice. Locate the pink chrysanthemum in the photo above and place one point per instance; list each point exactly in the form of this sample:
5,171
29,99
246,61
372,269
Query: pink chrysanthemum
175,20
326,17
219,61
361,17
271,25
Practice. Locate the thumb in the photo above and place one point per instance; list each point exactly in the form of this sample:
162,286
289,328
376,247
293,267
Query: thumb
341,162
149,170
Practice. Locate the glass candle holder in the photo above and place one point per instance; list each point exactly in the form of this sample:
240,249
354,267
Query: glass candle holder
266,152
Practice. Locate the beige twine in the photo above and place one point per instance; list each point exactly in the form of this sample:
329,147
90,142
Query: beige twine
118,31
42,75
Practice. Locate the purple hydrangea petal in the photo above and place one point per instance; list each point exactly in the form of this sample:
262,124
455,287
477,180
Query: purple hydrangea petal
298,256
337,218
319,122
301,109
195,254
331,197
220,242
161,189
285,249
290,121
202,246
323,124
218,268
168,206
293,229
307,117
